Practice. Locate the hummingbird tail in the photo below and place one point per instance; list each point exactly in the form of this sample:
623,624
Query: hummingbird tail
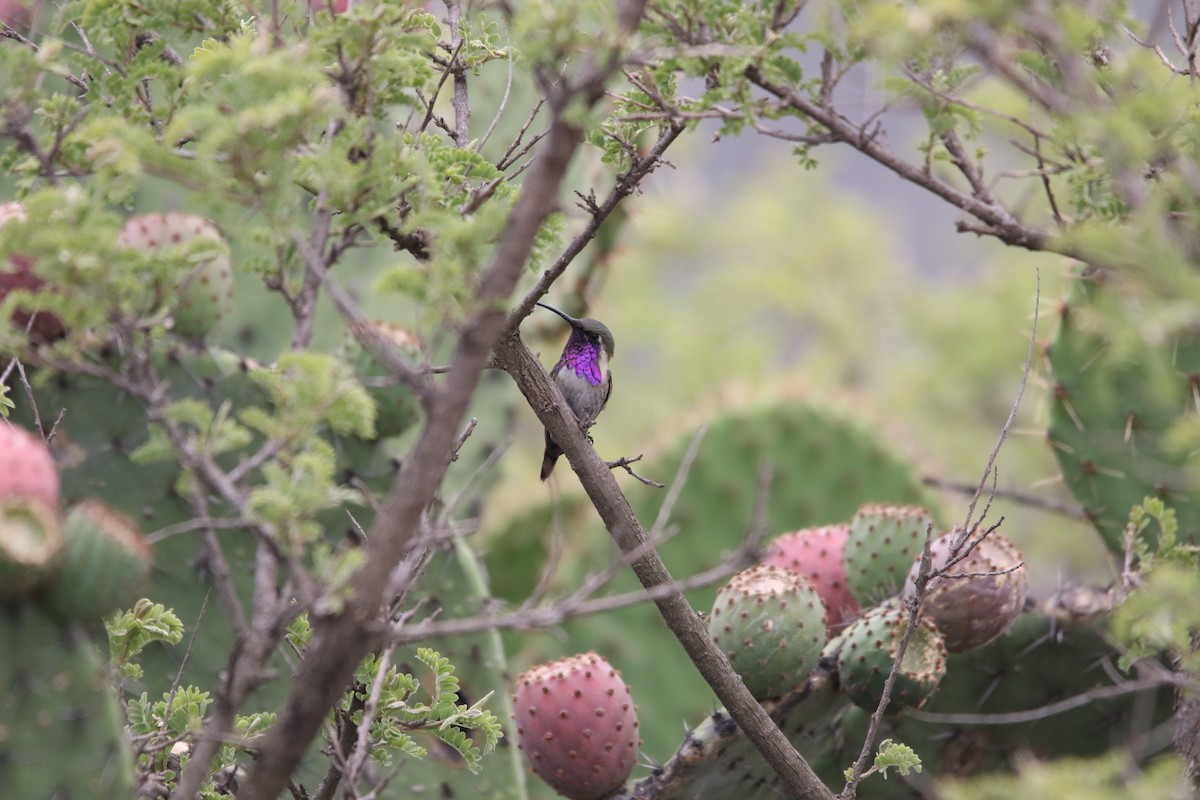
550,457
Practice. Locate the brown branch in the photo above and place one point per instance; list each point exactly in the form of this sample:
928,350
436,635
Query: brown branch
998,221
1060,707
1022,498
625,462
629,535
341,639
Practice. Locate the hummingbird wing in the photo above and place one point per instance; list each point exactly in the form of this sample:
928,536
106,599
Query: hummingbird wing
607,391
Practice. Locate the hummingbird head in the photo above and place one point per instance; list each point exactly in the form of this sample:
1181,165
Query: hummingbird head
594,330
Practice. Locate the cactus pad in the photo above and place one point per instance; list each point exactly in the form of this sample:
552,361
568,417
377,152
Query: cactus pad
868,649
105,566
816,553
61,729
1119,401
771,623
972,611
577,725
883,543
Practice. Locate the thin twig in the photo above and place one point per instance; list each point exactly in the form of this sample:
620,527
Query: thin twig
1023,498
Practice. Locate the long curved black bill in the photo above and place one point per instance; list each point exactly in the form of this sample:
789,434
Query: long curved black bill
565,316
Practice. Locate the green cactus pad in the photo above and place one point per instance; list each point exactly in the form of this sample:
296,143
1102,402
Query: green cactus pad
61,729
884,541
31,544
105,567
1124,398
867,649
771,623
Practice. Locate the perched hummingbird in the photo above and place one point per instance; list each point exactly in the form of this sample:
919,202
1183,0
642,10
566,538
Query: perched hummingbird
582,376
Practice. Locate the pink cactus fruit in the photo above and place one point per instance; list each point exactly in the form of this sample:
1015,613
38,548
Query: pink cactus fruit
577,725
816,554
30,536
27,470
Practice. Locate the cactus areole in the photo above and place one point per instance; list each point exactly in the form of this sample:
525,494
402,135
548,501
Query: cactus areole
577,725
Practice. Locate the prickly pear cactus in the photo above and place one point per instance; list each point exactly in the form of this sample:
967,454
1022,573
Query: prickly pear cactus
867,649
30,532
825,466
577,725
884,540
980,596
93,443
1118,402
716,762
816,553
61,729
771,623
1038,662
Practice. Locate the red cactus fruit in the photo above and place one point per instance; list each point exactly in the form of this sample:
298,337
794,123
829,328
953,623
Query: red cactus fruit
27,469
816,554
15,14
577,725
45,326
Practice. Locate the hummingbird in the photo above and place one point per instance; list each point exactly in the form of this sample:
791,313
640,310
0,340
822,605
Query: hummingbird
582,376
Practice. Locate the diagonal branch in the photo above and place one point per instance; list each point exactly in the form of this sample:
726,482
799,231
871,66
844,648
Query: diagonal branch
514,357
997,220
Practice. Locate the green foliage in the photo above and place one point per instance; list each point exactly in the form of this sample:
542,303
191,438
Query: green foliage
178,713
1157,616
1160,616
399,713
130,632
6,403
891,755
1152,531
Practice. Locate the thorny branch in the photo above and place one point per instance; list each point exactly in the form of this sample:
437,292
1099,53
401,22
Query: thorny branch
631,538
927,573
